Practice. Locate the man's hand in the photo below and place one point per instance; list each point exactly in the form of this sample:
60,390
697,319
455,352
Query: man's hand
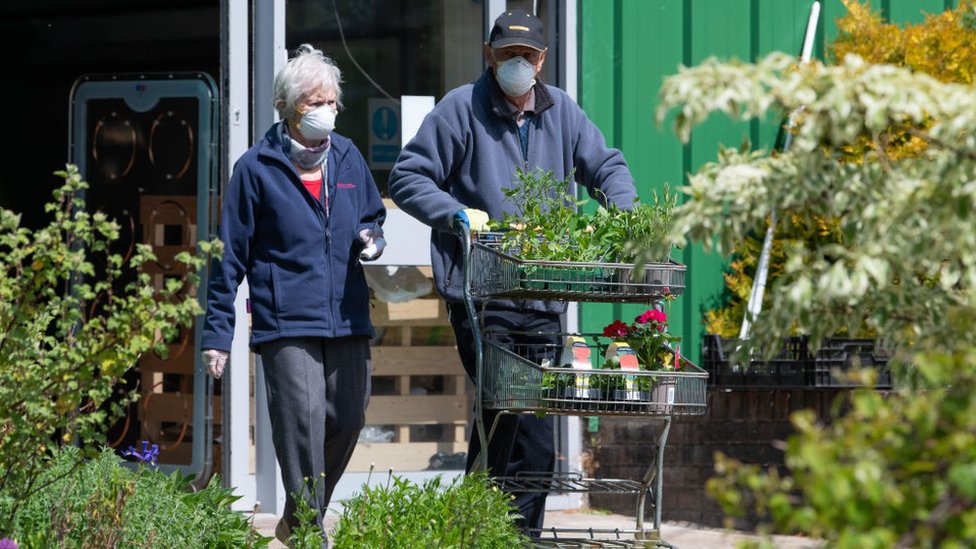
215,361
476,220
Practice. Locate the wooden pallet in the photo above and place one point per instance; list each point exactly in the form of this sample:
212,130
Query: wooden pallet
416,349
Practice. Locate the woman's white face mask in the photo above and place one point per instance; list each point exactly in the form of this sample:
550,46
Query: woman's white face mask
317,124
515,76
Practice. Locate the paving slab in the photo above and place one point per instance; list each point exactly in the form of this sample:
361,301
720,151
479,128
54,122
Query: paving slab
679,534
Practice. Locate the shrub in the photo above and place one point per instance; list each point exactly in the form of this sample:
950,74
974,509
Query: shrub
944,47
105,503
893,470
68,333
467,513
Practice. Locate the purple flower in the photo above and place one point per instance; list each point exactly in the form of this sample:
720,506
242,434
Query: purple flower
148,454
7,543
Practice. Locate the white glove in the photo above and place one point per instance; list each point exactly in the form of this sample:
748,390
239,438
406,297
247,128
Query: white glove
215,361
374,244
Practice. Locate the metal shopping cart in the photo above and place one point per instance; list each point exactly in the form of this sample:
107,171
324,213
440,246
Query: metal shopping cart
529,377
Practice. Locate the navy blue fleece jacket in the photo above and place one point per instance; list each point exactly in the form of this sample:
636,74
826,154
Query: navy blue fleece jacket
302,266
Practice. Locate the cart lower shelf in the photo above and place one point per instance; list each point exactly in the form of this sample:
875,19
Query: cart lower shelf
516,384
587,538
556,483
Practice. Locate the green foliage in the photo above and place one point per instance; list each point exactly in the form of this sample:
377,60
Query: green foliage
889,471
944,46
105,503
69,333
467,513
909,264
893,471
308,534
547,224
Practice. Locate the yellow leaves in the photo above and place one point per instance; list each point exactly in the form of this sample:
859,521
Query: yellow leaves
941,46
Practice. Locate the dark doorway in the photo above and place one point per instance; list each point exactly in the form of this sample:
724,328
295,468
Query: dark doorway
45,45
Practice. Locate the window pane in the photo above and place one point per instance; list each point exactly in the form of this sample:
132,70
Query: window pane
389,48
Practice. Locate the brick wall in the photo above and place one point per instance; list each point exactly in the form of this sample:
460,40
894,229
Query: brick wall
742,423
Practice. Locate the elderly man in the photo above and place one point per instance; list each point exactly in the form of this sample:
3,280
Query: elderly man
466,152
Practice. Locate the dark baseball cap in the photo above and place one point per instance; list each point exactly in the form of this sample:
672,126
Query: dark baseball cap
517,28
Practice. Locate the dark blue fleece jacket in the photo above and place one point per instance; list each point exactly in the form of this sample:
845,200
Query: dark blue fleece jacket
302,266
467,150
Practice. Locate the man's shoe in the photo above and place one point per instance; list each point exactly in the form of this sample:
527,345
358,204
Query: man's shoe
283,532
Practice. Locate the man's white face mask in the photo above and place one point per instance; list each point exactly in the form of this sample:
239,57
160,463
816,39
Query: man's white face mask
515,76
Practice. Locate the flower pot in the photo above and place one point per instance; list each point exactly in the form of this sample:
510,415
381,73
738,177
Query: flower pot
570,398
623,395
663,397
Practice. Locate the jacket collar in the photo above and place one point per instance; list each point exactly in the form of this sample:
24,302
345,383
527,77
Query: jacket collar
271,146
499,105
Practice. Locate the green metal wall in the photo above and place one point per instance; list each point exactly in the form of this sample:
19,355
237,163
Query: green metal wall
627,47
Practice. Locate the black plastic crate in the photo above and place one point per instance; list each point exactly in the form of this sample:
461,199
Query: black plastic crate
794,365
788,368
842,355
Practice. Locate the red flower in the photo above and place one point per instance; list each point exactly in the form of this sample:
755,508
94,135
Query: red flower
617,329
652,315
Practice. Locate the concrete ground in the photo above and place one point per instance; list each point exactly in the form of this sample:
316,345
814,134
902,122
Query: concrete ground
682,535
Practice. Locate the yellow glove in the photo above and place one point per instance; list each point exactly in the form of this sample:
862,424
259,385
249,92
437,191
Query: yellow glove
477,219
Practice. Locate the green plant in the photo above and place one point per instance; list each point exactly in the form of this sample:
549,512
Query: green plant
469,512
308,534
891,470
943,46
547,223
105,503
69,333
552,380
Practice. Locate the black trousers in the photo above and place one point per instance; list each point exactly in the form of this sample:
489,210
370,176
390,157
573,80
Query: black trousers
521,442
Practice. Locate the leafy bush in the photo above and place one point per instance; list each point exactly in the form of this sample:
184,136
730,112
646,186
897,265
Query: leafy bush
105,503
467,513
69,333
894,470
943,46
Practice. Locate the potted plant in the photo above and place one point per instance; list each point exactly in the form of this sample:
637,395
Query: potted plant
648,341
547,225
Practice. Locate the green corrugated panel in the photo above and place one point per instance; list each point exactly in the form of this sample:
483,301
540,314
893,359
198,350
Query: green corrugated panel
830,11
642,35
721,29
599,74
778,26
651,30
914,11
597,62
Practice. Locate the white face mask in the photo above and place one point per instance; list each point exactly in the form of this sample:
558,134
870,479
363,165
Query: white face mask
317,124
515,76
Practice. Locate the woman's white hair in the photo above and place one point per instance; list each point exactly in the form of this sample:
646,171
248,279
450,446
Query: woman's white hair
307,71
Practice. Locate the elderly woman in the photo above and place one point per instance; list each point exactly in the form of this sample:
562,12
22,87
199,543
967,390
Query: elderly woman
299,214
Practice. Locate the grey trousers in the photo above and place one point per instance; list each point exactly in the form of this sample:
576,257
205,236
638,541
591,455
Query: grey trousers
318,390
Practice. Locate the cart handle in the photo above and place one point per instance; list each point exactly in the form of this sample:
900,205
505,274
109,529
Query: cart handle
464,232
